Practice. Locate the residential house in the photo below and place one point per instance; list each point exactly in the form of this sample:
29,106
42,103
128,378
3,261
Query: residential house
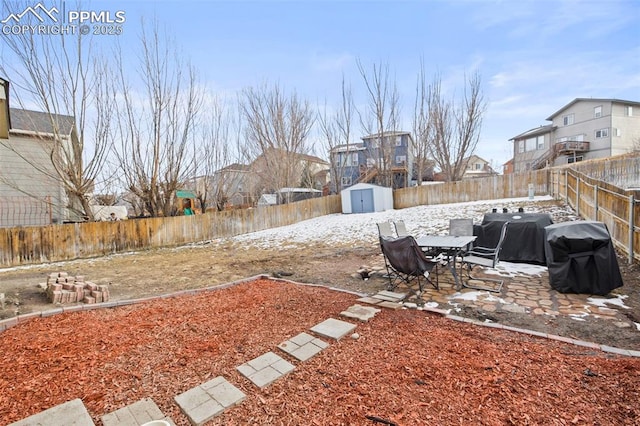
276,169
30,191
362,162
477,167
507,168
585,128
230,186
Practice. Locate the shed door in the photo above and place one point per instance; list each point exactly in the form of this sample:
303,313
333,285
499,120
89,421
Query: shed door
362,201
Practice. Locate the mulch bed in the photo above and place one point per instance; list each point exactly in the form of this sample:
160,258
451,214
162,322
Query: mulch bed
408,367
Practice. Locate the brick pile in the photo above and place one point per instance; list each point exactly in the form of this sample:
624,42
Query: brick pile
63,288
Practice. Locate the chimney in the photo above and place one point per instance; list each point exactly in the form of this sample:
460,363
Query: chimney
5,122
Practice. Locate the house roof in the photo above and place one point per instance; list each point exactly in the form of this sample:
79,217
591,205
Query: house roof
387,133
235,167
352,147
535,132
301,157
40,122
302,190
612,100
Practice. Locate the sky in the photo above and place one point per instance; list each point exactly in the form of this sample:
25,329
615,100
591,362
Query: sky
534,57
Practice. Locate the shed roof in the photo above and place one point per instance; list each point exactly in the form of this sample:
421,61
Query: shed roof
40,122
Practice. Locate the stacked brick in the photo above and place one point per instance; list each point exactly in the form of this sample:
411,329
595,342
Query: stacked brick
63,288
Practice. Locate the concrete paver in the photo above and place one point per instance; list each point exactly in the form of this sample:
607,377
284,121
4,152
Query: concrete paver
72,413
135,414
333,328
265,369
390,296
303,346
208,400
359,312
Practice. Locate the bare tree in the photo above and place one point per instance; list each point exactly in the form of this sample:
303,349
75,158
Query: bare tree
457,127
276,129
156,125
336,129
381,117
212,181
423,127
65,79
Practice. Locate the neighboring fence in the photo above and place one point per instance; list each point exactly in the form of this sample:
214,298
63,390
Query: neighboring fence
27,245
593,199
18,210
489,188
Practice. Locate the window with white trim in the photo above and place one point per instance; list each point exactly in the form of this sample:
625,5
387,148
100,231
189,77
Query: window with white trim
354,159
540,142
616,132
346,180
401,159
531,144
628,111
567,120
574,159
398,140
597,111
520,146
602,133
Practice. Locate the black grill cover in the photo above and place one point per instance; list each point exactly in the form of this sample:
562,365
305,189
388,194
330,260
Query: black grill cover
524,241
581,258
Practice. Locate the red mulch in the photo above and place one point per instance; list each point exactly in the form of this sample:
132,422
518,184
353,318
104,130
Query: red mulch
408,367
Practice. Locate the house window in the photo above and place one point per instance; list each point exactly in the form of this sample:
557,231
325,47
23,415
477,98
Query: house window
602,133
540,142
478,166
597,111
346,180
530,144
628,111
574,159
401,159
616,132
354,159
567,120
398,140
520,146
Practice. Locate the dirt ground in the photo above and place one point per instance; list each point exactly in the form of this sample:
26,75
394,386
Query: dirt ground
162,271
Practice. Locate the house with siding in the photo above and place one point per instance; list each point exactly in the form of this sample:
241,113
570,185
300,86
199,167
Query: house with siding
476,167
584,129
30,191
361,162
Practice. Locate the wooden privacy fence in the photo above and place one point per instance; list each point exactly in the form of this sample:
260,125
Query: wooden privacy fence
594,199
490,188
28,245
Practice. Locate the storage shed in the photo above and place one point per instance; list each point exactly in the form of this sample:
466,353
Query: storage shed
366,198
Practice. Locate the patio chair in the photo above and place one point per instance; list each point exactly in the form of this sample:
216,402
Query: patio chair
461,228
406,263
401,229
484,257
384,230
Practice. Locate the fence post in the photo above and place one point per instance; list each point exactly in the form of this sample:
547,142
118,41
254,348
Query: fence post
631,227
566,186
578,195
595,201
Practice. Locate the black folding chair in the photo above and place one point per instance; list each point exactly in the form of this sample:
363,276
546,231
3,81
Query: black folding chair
406,263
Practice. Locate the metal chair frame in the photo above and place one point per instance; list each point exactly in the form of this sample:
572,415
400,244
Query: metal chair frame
484,257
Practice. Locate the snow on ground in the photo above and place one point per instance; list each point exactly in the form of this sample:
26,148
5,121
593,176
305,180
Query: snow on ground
602,302
358,229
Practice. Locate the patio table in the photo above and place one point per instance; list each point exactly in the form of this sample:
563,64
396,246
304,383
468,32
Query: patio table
451,245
